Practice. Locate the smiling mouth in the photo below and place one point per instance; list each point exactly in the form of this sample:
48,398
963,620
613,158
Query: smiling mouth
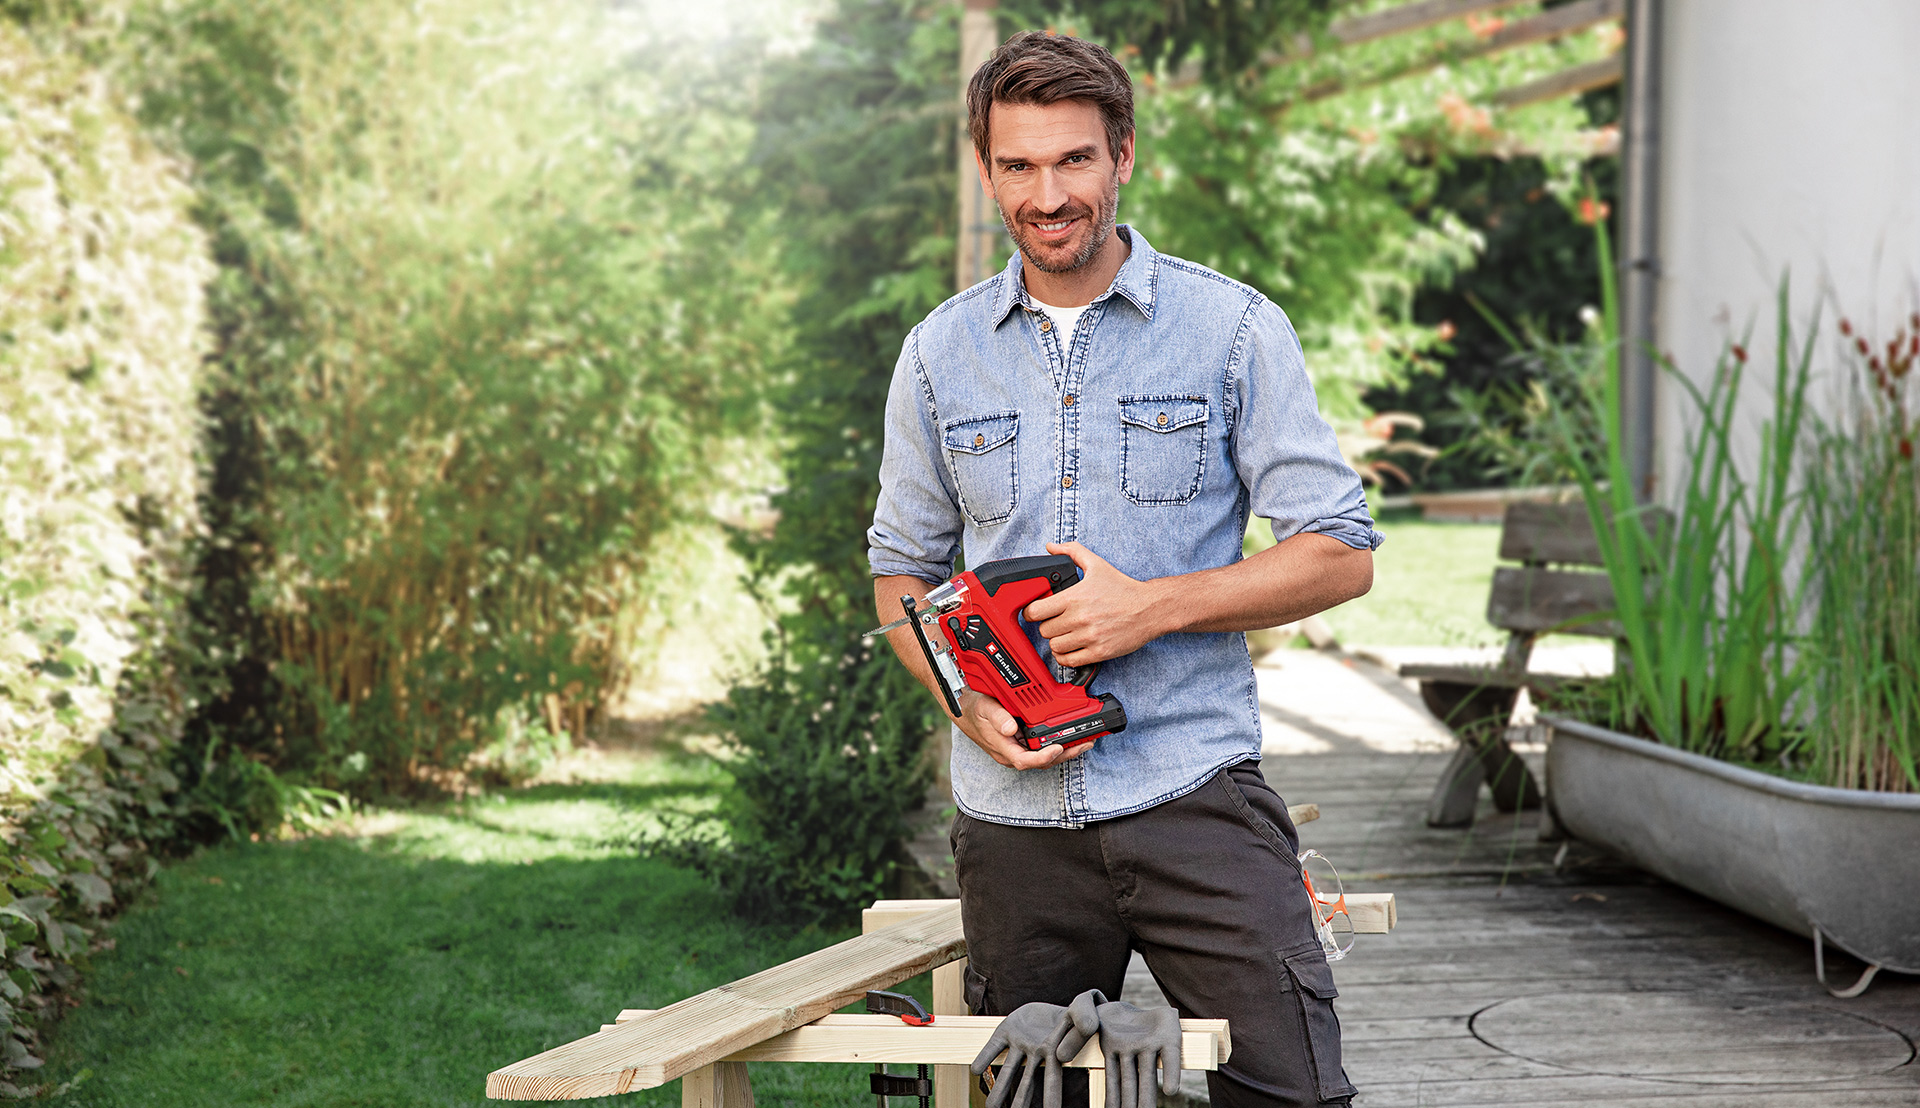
1056,227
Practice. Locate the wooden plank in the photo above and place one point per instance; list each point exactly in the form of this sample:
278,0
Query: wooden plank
720,1085
683,1037
1409,17
952,1085
1550,600
1372,913
1551,24
948,1040
1561,533
886,913
1303,813
1549,533
1610,70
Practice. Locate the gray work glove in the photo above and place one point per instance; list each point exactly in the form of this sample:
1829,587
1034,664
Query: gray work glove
1134,1040
1036,1037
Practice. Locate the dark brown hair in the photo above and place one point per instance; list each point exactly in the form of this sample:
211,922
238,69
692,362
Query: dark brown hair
1040,67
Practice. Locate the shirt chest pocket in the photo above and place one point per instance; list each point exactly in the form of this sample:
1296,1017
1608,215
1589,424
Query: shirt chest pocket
1163,448
983,455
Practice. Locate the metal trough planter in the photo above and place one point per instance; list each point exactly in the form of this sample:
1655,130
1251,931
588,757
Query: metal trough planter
1844,861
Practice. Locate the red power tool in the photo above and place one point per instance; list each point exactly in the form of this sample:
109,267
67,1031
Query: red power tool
981,645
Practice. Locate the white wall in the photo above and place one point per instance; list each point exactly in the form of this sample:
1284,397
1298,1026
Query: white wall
1790,140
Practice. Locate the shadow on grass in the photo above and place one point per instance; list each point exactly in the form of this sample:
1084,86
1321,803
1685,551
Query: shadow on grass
388,971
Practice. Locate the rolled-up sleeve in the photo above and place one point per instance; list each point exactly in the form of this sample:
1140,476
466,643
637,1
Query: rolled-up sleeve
1286,453
916,522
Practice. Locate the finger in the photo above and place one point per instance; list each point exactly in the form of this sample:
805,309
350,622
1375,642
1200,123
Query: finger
995,1044
1052,1091
1045,608
1170,1065
1145,1078
1005,1081
1120,1069
1021,1094
1082,557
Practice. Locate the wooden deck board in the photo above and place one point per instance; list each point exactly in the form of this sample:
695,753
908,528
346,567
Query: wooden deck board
1468,940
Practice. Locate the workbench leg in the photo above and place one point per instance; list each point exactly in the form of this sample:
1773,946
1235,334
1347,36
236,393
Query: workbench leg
1096,1088
720,1085
952,1085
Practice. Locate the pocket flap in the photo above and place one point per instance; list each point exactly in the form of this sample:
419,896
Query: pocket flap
981,434
1163,413
1315,976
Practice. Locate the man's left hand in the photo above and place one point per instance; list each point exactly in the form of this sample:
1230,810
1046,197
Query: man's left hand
1106,615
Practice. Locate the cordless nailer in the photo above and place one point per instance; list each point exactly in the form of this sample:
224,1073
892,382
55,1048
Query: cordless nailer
979,644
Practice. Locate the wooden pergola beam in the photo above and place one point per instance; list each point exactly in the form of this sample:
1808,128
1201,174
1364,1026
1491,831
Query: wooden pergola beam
1550,24
1610,70
1409,17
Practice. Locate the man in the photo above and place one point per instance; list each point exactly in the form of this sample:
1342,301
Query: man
1129,409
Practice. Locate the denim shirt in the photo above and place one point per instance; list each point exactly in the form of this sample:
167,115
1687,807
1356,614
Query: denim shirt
1181,406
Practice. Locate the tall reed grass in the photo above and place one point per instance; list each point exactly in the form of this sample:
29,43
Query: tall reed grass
1863,511
1708,605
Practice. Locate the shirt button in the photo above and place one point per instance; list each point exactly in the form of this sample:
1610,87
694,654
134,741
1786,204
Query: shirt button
1162,421
1066,482
981,440
1067,400
1046,325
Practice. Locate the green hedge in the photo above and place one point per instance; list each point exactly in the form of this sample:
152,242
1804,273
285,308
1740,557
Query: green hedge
101,340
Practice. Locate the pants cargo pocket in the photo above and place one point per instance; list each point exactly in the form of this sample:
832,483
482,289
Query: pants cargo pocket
1313,991
976,989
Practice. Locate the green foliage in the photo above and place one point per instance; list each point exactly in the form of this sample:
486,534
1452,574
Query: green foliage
100,346
1863,507
484,329
1487,407
1516,431
827,762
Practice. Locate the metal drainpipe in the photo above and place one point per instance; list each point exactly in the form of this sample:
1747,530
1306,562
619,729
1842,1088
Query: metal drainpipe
1639,243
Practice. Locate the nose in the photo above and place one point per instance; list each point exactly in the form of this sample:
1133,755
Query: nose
1050,193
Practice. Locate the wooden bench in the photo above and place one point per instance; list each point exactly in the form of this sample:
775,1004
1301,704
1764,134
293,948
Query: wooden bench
1529,600
785,1014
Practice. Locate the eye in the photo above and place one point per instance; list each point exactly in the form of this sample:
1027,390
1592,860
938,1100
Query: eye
1077,159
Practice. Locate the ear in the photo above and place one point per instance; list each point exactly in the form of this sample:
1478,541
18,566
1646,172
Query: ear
986,182
1123,165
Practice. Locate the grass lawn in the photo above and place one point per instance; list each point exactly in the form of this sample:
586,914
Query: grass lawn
396,962
1430,583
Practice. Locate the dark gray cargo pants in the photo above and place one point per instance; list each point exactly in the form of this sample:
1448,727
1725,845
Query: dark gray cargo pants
1206,887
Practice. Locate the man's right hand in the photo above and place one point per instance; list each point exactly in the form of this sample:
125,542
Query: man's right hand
992,728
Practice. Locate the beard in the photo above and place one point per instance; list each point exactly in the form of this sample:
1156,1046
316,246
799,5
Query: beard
1074,254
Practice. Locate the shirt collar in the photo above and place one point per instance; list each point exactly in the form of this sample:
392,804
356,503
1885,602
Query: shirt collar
1136,281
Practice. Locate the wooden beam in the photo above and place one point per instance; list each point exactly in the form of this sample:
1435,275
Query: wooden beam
683,1037
1568,82
949,1040
720,1085
1372,913
1408,17
1303,813
1550,24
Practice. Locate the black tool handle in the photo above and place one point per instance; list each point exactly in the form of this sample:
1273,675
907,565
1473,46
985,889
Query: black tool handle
1058,569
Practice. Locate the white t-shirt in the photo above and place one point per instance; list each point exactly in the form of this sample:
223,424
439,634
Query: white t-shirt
1063,320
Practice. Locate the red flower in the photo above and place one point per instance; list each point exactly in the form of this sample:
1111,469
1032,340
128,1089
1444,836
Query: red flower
1845,327
1906,449
1592,211
1861,344
1739,353
1445,331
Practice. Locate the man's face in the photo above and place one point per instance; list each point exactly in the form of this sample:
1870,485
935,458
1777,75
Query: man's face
1057,184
